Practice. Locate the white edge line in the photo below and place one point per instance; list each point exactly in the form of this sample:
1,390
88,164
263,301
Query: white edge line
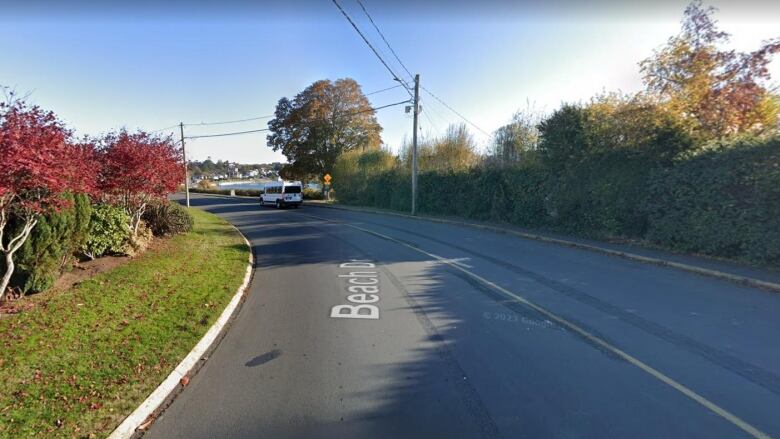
736,278
140,415
723,413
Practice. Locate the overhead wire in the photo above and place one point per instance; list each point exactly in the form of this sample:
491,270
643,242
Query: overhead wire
384,39
226,134
163,129
265,117
268,129
230,121
373,49
401,63
456,112
383,90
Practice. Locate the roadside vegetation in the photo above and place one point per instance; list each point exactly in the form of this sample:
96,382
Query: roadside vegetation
62,198
692,163
77,358
79,361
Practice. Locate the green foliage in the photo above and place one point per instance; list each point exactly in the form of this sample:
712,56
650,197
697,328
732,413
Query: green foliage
725,202
108,231
563,136
454,151
353,173
239,192
312,194
718,92
604,176
51,245
517,140
165,218
119,333
321,122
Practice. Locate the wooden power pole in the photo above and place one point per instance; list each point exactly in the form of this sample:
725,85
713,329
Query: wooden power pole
186,172
414,142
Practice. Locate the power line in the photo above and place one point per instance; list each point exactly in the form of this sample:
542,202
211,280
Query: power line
384,89
227,134
163,129
268,129
384,39
395,77
454,111
230,121
376,108
265,117
431,121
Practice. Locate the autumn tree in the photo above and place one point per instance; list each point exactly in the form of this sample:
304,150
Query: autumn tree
717,92
39,166
455,150
320,123
137,169
517,139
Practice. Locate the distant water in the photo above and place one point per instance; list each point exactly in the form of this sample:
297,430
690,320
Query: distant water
253,185
240,185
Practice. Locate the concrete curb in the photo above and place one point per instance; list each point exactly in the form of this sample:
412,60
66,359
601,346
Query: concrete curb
743,280
142,415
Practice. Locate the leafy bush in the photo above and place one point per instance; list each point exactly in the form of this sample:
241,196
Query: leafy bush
248,192
725,202
51,245
239,192
312,194
139,241
108,231
165,218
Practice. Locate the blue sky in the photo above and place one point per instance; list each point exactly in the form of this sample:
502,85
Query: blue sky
140,66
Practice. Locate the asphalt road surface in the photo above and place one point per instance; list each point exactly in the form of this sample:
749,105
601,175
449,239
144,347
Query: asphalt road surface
476,334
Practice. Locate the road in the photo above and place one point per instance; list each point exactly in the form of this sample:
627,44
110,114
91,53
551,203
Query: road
477,334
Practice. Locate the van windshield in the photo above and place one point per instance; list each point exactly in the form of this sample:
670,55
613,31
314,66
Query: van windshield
292,189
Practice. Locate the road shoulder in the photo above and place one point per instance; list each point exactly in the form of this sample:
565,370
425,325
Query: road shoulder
143,416
732,272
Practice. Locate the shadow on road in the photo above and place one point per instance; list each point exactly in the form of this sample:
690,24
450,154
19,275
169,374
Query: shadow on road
265,358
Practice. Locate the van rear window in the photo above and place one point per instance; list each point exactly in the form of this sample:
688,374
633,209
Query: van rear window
292,189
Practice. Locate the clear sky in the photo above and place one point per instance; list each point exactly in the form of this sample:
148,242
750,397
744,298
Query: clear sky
142,65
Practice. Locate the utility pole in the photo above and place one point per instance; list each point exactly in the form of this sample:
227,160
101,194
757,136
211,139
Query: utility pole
186,173
414,142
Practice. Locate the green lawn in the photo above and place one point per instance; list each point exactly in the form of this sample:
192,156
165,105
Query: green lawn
80,361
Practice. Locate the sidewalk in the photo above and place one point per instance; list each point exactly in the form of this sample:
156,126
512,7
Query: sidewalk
736,272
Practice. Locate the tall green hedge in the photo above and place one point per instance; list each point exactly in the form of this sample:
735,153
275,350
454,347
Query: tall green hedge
725,202
51,245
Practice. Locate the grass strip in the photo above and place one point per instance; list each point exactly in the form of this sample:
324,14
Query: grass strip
81,360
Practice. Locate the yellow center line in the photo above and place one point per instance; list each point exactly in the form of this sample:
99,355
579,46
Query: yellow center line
723,413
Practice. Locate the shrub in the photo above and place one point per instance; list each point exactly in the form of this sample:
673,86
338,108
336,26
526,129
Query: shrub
247,192
312,194
166,218
725,202
109,231
206,184
51,245
239,192
139,241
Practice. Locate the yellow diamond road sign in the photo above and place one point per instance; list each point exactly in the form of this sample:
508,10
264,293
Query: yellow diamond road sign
326,178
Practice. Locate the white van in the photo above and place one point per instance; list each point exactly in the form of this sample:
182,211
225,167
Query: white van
282,193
